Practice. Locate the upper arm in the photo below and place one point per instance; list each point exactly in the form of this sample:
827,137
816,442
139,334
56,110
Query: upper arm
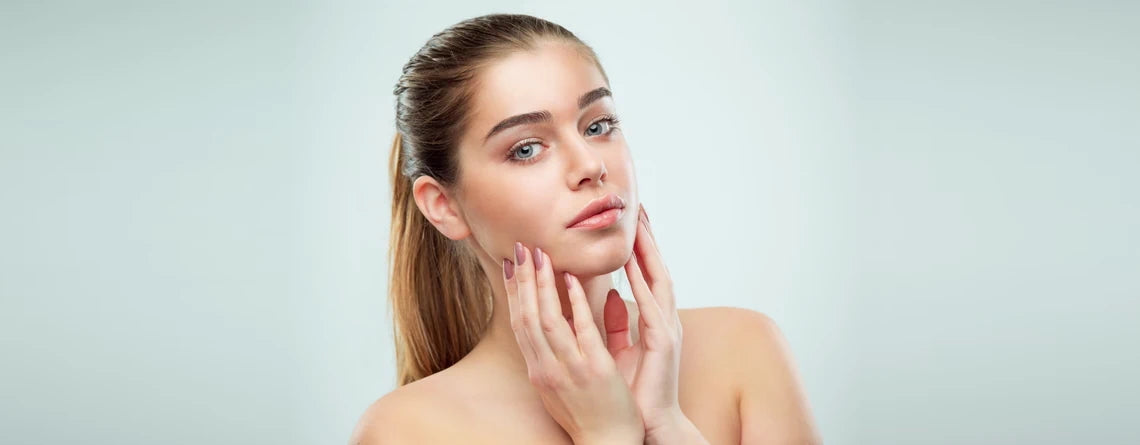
773,407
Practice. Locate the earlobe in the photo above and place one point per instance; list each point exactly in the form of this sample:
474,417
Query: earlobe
438,208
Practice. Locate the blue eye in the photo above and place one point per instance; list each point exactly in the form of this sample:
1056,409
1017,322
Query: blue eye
598,127
525,150
611,124
603,126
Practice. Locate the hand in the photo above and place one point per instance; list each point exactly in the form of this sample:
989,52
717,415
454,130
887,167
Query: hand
575,375
651,366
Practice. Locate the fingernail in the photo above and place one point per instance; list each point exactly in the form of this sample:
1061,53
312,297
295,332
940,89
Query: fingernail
520,254
508,268
537,258
645,219
566,278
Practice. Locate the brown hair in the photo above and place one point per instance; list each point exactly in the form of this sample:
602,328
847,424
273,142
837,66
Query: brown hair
441,300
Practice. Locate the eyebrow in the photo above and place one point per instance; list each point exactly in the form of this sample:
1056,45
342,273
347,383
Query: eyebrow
535,117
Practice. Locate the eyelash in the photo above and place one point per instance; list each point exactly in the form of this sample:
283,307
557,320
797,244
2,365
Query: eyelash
611,118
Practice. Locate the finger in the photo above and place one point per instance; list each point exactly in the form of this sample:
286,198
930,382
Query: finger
589,340
554,325
513,307
617,322
650,259
528,307
643,215
650,312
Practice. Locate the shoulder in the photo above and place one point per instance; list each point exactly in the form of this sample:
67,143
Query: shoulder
729,327
721,315
396,417
737,344
748,340
385,421
751,348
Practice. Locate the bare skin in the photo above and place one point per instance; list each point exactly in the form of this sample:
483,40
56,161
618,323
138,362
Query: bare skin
735,380
475,402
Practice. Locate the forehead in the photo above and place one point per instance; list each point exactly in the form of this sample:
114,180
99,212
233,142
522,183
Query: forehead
550,77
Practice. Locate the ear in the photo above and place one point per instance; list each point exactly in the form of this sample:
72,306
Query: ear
439,209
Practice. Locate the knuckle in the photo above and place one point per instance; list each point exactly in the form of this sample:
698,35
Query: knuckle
549,326
574,365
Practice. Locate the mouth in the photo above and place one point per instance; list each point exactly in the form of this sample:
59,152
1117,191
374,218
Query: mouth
599,213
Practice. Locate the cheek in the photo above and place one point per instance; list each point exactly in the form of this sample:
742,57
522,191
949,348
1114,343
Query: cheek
502,212
620,161
495,205
621,174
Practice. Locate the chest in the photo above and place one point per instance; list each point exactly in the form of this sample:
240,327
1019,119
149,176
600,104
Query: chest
706,398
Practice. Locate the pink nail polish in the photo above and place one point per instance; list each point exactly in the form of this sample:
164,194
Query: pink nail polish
537,258
508,268
520,254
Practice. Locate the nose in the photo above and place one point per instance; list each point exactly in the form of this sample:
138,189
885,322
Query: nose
586,165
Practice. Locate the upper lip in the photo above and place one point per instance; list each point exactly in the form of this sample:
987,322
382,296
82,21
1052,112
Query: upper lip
597,206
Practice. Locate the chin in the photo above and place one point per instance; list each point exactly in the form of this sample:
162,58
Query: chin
598,257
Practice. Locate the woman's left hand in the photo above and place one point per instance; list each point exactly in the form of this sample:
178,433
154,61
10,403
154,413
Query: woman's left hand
651,366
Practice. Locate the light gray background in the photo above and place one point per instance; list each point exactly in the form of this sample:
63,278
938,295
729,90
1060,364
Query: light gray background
934,200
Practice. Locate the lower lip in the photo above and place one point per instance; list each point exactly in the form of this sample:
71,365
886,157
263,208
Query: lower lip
601,220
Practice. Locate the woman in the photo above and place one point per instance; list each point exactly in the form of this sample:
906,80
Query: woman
514,198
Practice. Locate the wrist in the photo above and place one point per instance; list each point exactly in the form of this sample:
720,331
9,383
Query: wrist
675,428
612,438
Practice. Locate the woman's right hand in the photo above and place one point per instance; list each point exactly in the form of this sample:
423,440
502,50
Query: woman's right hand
573,371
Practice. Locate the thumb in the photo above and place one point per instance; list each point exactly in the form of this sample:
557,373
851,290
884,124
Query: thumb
617,322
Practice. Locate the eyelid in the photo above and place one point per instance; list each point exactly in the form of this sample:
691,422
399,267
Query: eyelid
611,117
602,117
522,143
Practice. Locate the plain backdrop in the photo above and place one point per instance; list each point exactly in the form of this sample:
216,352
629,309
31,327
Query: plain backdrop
936,202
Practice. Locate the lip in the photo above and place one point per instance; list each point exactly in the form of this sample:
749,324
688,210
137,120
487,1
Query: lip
598,205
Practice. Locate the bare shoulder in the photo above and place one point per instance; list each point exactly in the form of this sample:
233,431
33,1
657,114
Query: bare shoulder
749,341
385,421
725,328
396,417
726,316
752,350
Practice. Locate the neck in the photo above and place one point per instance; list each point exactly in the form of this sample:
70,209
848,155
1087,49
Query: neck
498,347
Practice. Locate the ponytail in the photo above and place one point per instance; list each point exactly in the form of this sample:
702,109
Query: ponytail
440,297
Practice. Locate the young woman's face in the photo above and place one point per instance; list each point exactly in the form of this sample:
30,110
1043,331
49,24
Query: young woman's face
528,182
